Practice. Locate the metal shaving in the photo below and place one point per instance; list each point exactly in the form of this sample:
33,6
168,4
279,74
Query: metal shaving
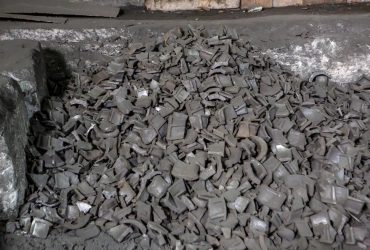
198,142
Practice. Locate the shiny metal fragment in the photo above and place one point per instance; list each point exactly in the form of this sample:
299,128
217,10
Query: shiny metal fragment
282,152
83,206
40,228
241,204
271,198
258,226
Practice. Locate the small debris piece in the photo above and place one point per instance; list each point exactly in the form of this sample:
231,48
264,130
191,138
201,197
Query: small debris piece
255,9
83,206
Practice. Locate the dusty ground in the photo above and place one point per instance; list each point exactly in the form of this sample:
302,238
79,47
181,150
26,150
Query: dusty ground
334,39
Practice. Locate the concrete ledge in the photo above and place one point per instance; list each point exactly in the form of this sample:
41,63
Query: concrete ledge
13,139
23,84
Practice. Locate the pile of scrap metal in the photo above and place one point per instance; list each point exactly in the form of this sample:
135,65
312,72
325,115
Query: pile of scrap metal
196,142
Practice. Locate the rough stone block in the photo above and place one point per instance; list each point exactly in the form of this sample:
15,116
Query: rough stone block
248,4
13,139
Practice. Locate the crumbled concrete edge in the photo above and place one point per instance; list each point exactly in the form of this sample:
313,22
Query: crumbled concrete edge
13,139
21,93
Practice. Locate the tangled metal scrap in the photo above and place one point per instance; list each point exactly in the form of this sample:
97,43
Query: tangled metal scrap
200,142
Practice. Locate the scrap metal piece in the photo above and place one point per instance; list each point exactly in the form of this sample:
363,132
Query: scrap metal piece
176,126
282,152
243,131
313,77
303,228
181,95
270,197
297,139
241,203
258,226
189,172
61,180
261,147
282,110
354,205
217,149
83,206
158,187
80,222
120,232
319,221
313,114
234,243
217,209
40,228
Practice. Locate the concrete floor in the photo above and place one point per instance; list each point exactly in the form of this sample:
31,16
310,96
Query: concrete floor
336,42
333,39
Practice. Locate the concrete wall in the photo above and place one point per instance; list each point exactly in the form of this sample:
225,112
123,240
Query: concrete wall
246,4
117,3
170,5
